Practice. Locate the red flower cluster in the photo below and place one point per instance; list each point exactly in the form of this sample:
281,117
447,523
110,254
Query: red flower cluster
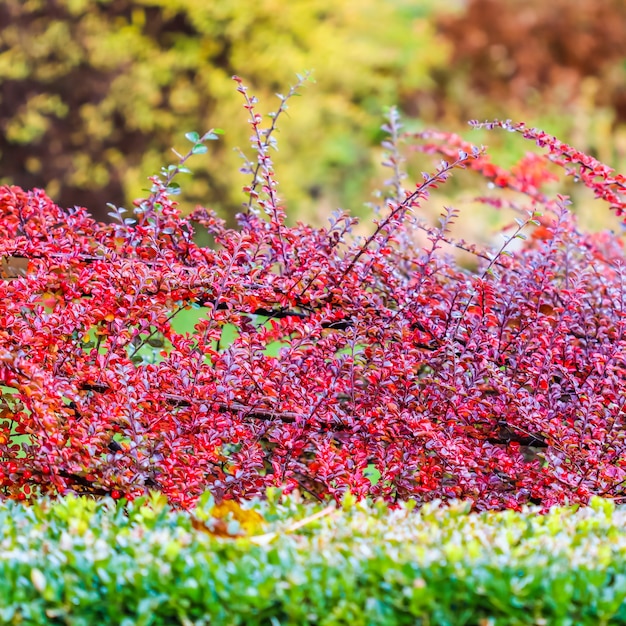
503,385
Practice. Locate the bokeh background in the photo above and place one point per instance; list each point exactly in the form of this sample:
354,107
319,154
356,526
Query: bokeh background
95,93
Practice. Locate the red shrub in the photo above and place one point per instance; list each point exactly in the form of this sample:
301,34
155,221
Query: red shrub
505,386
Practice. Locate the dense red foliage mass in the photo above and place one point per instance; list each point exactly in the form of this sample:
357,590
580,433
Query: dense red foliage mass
503,385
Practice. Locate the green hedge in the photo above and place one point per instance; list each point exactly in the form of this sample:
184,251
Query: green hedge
77,561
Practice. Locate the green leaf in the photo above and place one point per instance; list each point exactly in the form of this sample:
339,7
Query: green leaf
212,134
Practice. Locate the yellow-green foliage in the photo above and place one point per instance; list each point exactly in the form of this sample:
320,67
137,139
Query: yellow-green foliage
95,93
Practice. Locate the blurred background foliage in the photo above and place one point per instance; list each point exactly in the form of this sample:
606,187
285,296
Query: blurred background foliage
94,93
558,64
